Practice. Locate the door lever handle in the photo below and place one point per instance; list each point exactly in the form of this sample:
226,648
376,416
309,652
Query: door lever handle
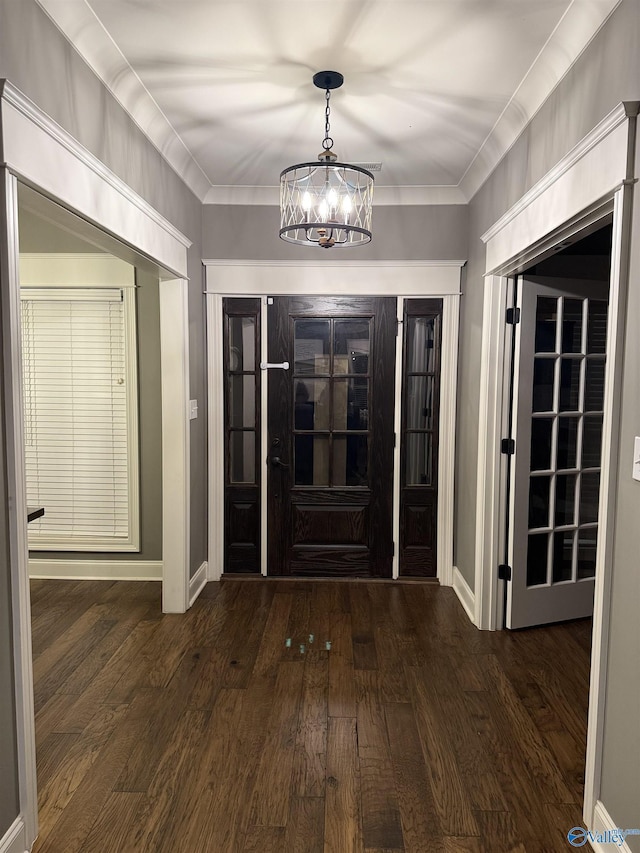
268,365
277,462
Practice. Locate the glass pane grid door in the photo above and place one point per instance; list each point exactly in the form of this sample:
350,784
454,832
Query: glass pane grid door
566,435
332,393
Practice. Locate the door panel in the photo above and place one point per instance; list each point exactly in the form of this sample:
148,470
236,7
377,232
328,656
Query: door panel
330,472
558,415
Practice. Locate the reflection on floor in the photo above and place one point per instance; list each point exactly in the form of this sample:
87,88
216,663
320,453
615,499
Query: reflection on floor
206,733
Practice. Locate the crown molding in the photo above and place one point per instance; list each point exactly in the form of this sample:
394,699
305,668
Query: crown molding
79,25
383,195
575,30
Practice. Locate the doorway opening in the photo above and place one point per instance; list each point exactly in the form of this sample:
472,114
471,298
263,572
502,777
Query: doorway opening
554,443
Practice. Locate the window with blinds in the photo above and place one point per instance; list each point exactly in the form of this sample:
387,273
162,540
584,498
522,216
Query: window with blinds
80,417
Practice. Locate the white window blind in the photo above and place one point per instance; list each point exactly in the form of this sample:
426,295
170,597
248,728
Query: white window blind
78,403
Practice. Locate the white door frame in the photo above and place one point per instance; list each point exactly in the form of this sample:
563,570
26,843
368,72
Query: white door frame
39,152
409,279
593,180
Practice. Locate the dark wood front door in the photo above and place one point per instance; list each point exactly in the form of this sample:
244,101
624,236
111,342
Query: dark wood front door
330,472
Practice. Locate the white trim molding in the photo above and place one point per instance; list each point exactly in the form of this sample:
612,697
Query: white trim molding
14,840
447,436
370,278
198,582
577,27
269,196
602,838
590,172
13,417
176,510
42,152
464,593
96,570
81,26
215,423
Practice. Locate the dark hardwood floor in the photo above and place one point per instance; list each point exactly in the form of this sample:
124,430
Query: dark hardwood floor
205,733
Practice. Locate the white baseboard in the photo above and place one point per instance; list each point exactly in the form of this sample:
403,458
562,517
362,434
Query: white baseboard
97,570
15,839
464,593
602,837
197,583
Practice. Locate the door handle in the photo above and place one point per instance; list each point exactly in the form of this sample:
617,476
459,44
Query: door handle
277,462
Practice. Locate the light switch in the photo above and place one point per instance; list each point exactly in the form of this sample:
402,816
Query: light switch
636,458
193,409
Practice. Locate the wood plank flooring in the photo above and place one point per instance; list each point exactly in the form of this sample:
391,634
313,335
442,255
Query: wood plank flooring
205,733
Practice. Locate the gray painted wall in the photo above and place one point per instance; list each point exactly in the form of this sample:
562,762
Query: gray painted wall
438,232
37,59
606,73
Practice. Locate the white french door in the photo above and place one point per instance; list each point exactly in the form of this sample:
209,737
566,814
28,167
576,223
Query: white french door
558,393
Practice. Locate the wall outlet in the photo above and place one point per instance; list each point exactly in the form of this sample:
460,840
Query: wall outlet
636,458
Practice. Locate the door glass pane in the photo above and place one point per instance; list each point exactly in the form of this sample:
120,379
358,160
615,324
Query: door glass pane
242,401
570,384
597,327
242,340
539,502
567,443
546,316
311,460
242,457
350,404
572,325
311,346
351,346
421,333
543,372
541,432
537,548
589,494
594,386
591,441
563,555
311,409
565,499
350,460
587,542
420,391
419,465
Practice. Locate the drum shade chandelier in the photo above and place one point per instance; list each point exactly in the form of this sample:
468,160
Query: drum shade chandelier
326,203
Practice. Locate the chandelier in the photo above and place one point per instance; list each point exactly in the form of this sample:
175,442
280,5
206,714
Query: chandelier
326,203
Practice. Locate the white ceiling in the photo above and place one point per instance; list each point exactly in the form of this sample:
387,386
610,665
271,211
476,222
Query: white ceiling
436,90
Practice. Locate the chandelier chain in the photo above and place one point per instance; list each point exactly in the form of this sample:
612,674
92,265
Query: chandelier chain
327,142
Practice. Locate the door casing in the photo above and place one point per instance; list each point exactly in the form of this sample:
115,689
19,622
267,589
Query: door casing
378,278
